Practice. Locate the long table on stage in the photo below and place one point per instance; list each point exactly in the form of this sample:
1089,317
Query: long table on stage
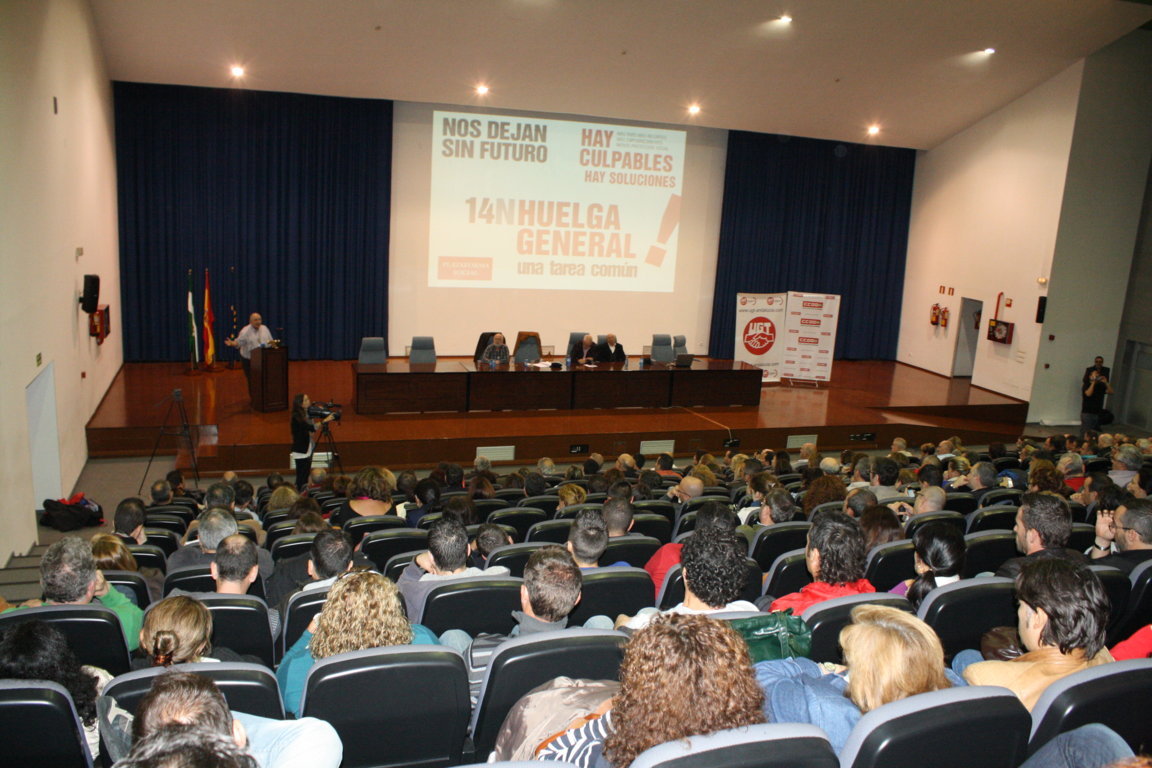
446,385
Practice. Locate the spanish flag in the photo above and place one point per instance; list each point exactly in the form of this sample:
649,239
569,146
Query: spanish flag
209,320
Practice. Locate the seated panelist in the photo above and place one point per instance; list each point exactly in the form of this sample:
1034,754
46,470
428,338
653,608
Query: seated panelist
609,351
497,351
583,351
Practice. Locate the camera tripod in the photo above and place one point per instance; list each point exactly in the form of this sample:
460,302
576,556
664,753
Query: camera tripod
329,442
182,431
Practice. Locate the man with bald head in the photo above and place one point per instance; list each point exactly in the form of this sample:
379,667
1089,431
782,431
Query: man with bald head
609,351
583,351
251,336
691,487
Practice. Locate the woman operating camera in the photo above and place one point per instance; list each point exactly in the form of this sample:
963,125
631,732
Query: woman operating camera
304,437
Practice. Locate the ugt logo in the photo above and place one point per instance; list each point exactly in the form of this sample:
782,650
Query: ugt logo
759,335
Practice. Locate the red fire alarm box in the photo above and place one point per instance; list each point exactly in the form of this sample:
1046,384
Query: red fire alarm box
99,323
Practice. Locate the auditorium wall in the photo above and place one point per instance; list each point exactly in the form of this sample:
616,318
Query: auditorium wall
455,316
59,194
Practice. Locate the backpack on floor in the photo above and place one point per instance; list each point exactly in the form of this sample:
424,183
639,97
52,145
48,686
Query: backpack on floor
71,514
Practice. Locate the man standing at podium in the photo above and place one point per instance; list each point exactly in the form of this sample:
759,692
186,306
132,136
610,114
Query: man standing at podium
251,336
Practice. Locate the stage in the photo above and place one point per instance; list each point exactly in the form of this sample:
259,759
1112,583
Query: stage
876,400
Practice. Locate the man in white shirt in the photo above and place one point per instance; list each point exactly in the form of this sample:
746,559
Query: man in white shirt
251,336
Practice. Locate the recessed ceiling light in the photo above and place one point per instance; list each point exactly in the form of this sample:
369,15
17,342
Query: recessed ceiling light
237,71
873,130
785,19
989,51
694,109
481,90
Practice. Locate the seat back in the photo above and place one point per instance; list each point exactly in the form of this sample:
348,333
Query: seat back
93,632
788,574
482,343
524,517
380,546
765,745
520,664
1117,695
656,526
636,550
569,512
1082,537
987,551
401,706
240,623
1002,497
574,338
527,347
694,504
359,527
549,532
827,618
775,540
997,518
182,511
165,522
679,345
662,348
485,507
546,503
515,556
655,507
248,688
685,524
1139,611
373,351
301,609
959,727
149,556
277,530
291,546
475,604
891,563
611,592
423,350
198,578
672,590
397,563
960,501
131,584
963,611
1006,462
43,729
1118,587
955,519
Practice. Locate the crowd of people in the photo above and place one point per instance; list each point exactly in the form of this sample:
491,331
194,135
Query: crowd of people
687,670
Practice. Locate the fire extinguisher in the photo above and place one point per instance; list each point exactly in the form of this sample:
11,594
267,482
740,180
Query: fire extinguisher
935,314
944,317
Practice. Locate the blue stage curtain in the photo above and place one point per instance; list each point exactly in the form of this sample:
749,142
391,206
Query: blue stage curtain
286,198
821,216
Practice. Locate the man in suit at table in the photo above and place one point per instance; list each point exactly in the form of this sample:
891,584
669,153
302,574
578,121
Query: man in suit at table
609,351
583,351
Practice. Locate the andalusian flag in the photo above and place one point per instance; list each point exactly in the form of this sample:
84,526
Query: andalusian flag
193,343
209,321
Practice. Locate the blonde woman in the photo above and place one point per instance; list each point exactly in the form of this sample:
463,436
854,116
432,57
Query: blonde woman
112,554
570,495
889,655
363,611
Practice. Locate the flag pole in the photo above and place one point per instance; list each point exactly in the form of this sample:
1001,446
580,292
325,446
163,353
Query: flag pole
208,338
190,329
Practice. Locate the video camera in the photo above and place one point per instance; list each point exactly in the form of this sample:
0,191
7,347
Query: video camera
324,410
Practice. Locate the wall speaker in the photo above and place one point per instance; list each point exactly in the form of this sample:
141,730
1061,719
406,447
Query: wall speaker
90,299
1041,305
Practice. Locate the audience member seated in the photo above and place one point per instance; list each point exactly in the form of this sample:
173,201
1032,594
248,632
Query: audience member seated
406,483
329,556
175,479
821,490
939,559
1071,465
234,569
889,655
858,501
1043,525
757,487
618,514
1063,615
665,466
160,494
369,495
128,522
836,559
68,576
880,526
682,676
426,500
775,506
928,499
35,650
317,481
489,537
710,514
690,487
930,474
570,495
281,499
861,472
1043,476
223,496
1137,646
216,524
363,611
885,473
714,562
481,488
185,711
1124,537
446,559
587,538
112,554
1126,462
244,505
178,630
980,479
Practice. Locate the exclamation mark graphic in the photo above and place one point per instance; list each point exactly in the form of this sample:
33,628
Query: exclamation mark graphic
667,226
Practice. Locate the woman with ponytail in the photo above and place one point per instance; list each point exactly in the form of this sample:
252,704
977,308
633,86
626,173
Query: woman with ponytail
178,630
939,558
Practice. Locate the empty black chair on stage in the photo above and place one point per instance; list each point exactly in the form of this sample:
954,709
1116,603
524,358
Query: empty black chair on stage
656,526
291,546
775,540
997,518
43,730
514,556
474,604
1117,695
891,563
948,517
359,527
960,501
764,745
131,584
788,574
520,664
634,549
400,706
301,608
240,623
611,592
422,351
963,611
373,351
827,618
987,551
149,556
521,518
248,688
662,348
380,546
93,632
953,728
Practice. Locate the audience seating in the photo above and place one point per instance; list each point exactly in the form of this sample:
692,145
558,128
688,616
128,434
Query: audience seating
182,511
520,664
244,530
686,523
788,574
330,505
959,501
546,503
359,527
717,492
948,517
1118,587
397,563
302,607
987,551
485,507
672,590
425,522
572,510
291,546
694,504
1006,462
163,522
474,604
512,495
131,584
826,619
93,632
997,518
961,727
400,706
765,745
1002,497
775,540
520,518
149,556
198,578
596,498
248,688
891,563
634,549
655,507
1139,611
1080,513
611,592
1083,536
42,729
275,531
379,546
549,532
827,506
1118,695
514,556
656,526
423,350
240,623
963,611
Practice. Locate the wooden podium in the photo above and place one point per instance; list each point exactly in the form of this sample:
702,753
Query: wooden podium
268,379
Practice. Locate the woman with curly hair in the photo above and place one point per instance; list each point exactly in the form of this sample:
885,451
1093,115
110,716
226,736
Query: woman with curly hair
35,650
1043,476
823,489
682,676
570,495
363,611
369,494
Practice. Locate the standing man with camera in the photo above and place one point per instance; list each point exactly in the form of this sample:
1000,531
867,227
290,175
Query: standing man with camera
251,336
304,436
1094,387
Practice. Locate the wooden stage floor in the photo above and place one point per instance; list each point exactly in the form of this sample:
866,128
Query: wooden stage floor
881,397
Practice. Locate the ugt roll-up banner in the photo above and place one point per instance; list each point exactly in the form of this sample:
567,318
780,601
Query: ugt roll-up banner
810,336
760,331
